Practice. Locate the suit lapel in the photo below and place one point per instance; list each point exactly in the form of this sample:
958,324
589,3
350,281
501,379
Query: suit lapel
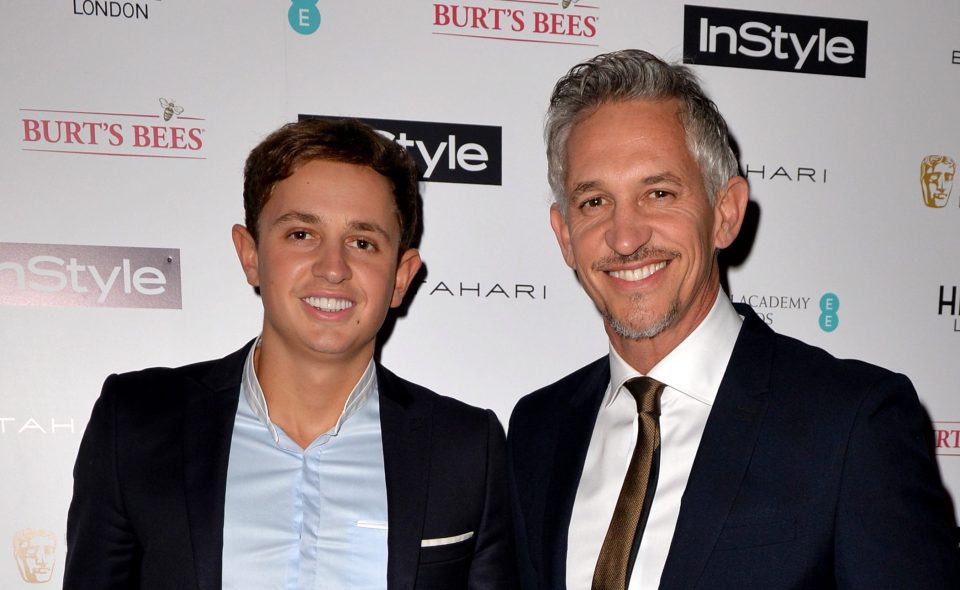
405,431
209,413
724,454
572,441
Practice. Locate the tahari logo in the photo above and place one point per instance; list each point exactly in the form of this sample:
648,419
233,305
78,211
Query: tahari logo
781,173
445,152
769,306
936,180
304,16
35,551
32,425
774,41
89,276
949,305
164,133
113,9
946,437
478,290
562,22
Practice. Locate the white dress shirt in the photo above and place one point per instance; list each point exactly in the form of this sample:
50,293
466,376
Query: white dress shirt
692,373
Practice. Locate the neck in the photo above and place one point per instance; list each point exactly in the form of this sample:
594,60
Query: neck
305,396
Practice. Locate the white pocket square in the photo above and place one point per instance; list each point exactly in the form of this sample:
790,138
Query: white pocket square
446,540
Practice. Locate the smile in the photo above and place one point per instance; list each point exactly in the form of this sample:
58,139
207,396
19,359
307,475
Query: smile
637,273
328,303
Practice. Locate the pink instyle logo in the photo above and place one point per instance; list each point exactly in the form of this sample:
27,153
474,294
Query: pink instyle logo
89,276
167,129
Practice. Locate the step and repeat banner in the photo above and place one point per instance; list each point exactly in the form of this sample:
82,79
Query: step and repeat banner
124,126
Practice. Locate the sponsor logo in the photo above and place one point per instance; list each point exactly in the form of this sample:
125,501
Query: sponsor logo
774,41
163,132
948,304
89,276
562,22
946,437
11,425
445,152
35,551
113,9
477,290
780,173
304,16
771,307
936,180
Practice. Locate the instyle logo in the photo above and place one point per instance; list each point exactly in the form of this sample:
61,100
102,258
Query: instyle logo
445,152
476,290
774,41
936,180
166,130
948,304
113,9
89,276
946,437
35,551
785,173
561,22
304,16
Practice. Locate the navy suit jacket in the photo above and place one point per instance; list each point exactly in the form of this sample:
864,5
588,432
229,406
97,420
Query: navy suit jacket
150,480
812,473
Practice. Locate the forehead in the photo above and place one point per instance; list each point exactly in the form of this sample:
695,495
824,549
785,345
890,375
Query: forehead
334,186
628,131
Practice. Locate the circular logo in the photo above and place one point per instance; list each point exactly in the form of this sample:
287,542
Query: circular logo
304,16
829,304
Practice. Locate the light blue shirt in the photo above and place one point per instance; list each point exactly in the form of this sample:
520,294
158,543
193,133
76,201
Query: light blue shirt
299,519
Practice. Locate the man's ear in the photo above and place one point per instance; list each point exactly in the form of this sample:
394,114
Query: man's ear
559,224
729,209
247,253
406,269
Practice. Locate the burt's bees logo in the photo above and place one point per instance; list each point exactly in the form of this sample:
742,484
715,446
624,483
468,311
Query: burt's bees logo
35,553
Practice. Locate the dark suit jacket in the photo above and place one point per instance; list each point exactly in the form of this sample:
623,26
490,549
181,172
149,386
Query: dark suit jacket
150,480
812,473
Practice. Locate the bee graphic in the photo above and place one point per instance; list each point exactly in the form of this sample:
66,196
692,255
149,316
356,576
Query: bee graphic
566,3
170,109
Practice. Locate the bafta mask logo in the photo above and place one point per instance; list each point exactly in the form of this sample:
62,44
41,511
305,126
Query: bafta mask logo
936,178
35,552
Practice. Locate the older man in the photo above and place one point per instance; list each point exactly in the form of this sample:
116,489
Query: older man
705,451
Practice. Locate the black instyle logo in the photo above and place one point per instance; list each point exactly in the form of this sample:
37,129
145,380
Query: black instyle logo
445,152
773,41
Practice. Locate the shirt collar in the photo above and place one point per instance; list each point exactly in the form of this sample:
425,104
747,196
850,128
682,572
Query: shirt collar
258,403
696,366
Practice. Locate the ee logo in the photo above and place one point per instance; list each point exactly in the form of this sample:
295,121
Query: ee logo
304,16
829,304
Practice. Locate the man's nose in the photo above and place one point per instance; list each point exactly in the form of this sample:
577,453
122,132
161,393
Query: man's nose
331,263
629,229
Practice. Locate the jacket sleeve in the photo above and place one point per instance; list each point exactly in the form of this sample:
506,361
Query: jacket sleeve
102,549
493,565
894,523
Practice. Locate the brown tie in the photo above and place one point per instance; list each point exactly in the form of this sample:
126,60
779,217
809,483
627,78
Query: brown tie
626,527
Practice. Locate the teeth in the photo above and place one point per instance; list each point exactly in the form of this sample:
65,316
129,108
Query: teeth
328,303
637,274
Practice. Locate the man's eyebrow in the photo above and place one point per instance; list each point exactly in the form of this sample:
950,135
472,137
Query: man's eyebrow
369,226
297,216
583,187
663,177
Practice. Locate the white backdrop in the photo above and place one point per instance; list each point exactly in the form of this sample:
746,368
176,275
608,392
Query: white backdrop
833,161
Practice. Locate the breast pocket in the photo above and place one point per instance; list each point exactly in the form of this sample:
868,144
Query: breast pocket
757,534
440,549
368,555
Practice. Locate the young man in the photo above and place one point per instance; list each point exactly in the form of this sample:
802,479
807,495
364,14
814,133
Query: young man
705,451
298,461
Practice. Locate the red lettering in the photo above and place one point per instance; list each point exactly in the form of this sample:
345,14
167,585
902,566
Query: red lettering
141,137
116,138
72,129
441,15
518,24
196,142
590,24
159,136
31,130
942,439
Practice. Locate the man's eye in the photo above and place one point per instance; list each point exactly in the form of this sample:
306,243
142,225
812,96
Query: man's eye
299,234
362,244
591,202
660,194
